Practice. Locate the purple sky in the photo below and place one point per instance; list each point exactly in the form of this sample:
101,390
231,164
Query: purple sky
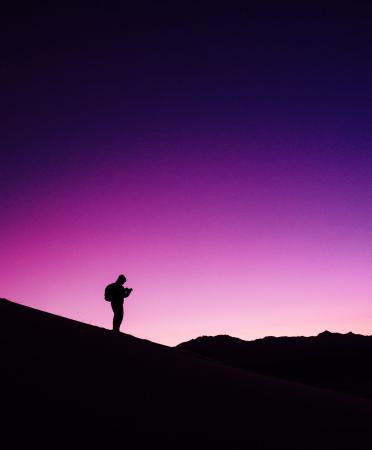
219,158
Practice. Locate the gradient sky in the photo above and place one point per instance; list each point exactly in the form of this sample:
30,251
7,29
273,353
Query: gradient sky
220,158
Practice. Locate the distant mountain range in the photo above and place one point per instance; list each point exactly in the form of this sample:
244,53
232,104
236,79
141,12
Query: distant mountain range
61,378
332,360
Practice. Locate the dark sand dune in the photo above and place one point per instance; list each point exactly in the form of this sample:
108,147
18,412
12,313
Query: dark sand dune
64,376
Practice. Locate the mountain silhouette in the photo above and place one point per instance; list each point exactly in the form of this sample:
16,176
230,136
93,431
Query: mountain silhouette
63,377
342,362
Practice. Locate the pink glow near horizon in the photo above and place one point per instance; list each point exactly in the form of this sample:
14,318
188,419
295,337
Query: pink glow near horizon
233,244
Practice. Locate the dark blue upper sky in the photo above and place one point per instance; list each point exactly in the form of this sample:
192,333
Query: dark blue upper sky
77,77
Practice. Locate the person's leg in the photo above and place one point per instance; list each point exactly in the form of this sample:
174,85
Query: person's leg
118,315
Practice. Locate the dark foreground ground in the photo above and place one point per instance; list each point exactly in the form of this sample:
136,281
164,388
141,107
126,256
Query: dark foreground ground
62,378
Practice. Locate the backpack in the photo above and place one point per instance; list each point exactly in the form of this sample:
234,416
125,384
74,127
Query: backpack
110,292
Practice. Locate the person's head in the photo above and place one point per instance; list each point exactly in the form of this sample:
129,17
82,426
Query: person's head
121,279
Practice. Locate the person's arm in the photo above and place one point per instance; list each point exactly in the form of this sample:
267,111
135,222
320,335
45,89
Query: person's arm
127,292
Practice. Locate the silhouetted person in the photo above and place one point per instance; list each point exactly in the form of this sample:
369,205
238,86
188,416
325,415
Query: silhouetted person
116,293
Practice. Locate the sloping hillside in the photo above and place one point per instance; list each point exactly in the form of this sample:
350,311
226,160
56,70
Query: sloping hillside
62,376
